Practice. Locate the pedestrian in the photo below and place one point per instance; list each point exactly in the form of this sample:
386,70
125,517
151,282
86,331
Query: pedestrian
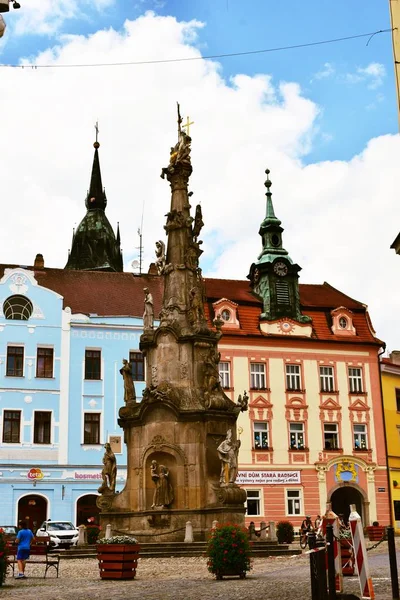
24,539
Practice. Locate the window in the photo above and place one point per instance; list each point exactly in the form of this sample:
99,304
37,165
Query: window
331,437
42,427
397,400
226,314
18,308
11,426
296,431
224,374
397,510
253,503
92,364
355,380
293,381
343,323
282,293
137,365
260,436
91,431
15,361
257,376
326,379
293,502
44,362
360,437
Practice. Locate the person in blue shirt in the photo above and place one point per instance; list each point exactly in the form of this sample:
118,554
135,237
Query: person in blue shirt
24,539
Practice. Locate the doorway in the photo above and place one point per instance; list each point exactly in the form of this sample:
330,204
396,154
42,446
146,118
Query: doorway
86,509
343,497
33,510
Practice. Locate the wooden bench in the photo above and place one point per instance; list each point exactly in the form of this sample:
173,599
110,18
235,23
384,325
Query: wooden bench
39,554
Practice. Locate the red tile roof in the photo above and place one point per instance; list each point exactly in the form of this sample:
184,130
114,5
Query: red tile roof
121,294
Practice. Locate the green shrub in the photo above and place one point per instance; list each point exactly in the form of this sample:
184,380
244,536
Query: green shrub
3,557
285,532
229,550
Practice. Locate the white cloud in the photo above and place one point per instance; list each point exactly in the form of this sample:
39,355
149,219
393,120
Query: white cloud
327,71
373,74
339,217
39,17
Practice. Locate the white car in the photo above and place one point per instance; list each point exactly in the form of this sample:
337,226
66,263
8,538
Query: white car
63,534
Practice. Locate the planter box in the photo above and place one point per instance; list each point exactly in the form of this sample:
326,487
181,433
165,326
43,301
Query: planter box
117,561
228,573
375,533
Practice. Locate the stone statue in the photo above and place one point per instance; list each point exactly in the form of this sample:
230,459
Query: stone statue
148,316
228,452
109,471
198,223
212,379
163,494
243,402
196,305
180,153
129,386
160,254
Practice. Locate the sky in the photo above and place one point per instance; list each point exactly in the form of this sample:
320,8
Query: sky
322,118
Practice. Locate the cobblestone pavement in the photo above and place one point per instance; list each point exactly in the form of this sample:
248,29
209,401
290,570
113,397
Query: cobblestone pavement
275,578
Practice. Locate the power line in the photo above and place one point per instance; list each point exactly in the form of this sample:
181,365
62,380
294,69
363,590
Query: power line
211,56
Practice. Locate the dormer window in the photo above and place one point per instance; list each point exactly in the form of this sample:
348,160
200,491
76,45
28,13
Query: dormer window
342,322
227,311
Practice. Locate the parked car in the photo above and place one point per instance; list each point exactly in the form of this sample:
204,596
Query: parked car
63,534
10,531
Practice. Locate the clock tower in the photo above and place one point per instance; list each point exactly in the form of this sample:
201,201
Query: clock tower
274,277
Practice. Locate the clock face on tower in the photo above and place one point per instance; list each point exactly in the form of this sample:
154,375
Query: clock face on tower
280,269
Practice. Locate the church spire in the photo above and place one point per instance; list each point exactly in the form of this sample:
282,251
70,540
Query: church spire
270,228
95,245
96,196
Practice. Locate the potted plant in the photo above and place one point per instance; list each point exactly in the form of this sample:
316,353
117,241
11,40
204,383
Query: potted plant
375,532
3,557
285,532
118,556
229,551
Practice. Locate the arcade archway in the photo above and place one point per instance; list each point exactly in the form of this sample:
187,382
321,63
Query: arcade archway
33,510
86,509
343,497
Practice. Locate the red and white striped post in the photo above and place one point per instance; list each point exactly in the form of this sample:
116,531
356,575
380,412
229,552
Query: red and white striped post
331,518
360,552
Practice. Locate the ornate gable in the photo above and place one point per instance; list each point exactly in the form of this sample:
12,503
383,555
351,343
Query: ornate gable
227,311
343,322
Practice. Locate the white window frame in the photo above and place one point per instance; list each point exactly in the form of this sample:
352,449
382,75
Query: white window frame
224,369
326,378
291,509
258,379
336,431
258,498
360,437
293,377
260,431
297,430
355,380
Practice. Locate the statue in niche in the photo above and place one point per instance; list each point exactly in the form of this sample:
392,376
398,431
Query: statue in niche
109,471
148,316
129,386
196,305
160,254
163,494
198,223
228,452
243,401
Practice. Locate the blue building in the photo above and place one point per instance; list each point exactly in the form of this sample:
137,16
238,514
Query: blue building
63,336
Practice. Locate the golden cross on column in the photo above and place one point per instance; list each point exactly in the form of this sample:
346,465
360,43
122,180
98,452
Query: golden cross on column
188,124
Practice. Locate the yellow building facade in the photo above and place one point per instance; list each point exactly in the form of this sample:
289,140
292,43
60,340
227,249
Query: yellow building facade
390,370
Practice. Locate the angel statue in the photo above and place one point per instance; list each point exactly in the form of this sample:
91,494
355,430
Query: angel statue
160,254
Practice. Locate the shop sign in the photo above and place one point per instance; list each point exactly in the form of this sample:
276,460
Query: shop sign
35,473
381,489
267,477
85,475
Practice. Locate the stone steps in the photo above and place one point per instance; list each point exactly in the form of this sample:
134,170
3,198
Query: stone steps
180,549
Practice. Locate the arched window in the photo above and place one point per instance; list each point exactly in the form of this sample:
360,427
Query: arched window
18,308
